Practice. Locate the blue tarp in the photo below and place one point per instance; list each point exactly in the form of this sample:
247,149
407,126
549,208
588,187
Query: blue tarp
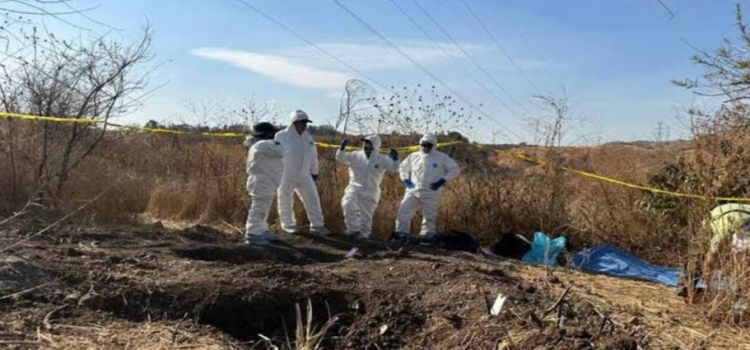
614,262
545,250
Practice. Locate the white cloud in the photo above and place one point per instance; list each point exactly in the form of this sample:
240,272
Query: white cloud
277,68
380,57
383,57
305,66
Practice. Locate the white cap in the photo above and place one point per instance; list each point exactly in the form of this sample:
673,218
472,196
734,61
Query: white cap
299,115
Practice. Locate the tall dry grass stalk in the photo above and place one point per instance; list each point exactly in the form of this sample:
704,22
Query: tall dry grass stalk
306,336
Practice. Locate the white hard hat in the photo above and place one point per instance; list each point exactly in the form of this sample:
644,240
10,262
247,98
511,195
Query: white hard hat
299,115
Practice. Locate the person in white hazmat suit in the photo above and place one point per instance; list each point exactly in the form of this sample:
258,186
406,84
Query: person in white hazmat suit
299,176
366,170
424,173
264,168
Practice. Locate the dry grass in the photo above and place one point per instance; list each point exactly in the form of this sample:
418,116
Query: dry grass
127,336
671,322
200,180
307,337
203,181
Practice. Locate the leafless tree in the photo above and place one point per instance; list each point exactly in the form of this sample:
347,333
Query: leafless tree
726,70
27,12
254,110
666,8
235,116
356,100
551,128
725,79
412,111
99,79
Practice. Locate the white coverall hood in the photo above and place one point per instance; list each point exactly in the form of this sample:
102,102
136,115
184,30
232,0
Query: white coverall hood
375,140
363,193
429,138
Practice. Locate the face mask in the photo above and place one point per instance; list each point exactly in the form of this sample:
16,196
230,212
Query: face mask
368,148
300,126
425,147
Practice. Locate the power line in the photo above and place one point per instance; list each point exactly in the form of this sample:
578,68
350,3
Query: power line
417,64
341,61
500,48
396,48
456,61
310,42
552,76
534,52
466,53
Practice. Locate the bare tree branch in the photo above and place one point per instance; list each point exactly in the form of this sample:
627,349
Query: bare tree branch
669,11
59,78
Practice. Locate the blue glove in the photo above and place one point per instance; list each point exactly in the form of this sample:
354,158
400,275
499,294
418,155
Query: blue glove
394,154
408,183
343,144
437,184
315,177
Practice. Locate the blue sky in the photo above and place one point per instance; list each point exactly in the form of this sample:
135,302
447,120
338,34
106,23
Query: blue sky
614,58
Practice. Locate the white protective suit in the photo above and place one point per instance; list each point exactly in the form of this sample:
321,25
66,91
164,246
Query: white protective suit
264,168
300,163
363,193
423,170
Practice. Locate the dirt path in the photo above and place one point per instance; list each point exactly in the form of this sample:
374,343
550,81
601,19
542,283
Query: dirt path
152,288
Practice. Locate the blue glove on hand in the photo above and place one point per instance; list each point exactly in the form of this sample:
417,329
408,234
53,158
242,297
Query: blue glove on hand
343,144
315,177
394,154
437,184
408,183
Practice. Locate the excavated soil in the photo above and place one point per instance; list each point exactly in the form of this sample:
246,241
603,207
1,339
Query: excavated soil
148,287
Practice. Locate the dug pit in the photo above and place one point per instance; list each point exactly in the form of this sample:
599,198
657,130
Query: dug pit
243,313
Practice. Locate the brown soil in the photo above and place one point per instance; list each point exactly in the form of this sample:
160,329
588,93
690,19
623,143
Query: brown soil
152,288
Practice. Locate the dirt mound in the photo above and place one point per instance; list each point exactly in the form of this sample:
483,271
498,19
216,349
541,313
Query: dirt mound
203,234
242,254
199,288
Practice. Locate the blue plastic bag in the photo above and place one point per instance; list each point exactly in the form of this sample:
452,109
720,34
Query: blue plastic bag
545,250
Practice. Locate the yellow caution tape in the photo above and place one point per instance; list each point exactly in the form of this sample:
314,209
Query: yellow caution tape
90,121
386,150
586,174
179,132
51,119
439,145
630,185
334,147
